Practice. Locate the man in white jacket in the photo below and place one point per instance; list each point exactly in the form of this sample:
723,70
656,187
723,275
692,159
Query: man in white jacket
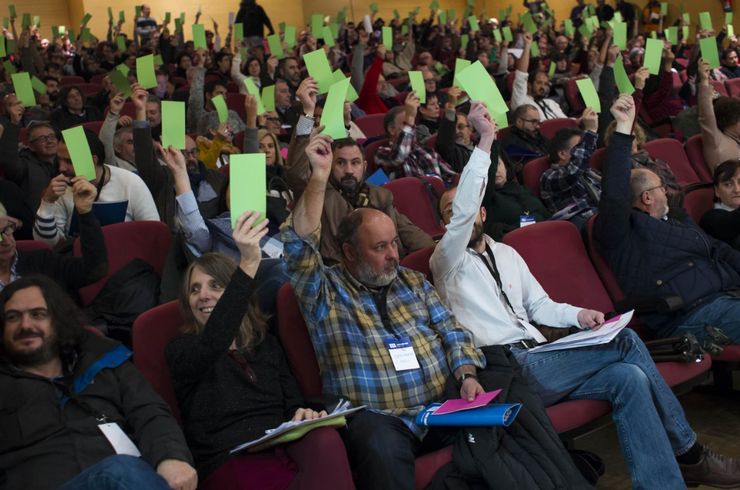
535,91
113,185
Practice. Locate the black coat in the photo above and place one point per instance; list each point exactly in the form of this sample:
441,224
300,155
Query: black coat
253,17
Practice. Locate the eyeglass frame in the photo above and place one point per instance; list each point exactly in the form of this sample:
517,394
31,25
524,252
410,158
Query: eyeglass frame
194,153
531,121
664,186
10,226
44,138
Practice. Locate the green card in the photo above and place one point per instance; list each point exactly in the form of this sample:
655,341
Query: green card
317,26
158,61
333,116
276,48
528,23
620,35
86,19
664,8
121,82
374,7
167,18
137,11
121,16
328,37
220,104
606,25
466,13
507,34
10,46
281,27
585,32
38,85
728,17
551,70
687,18
123,69
79,152
290,36
319,69
534,50
417,84
730,30
9,67
705,20
569,30
671,34
3,54
442,17
37,20
473,23
334,27
199,37
497,35
351,92
71,35
121,43
248,179
479,85
178,25
620,76
26,22
654,35
13,14
653,55
471,3
239,32
460,65
441,68
404,30
55,32
396,14
145,71
253,90
589,94
173,124
268,98
388,38
709,51
86,36
434,5
465,39
685,32
24,89
501,15
6,22
618,17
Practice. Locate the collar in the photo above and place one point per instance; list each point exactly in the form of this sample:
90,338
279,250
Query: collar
720,205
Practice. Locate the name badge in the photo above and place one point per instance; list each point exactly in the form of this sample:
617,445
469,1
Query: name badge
119,440
402,354
526,221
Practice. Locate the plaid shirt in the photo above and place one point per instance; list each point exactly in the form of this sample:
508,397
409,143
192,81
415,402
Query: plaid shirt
349,336
564,185
406,158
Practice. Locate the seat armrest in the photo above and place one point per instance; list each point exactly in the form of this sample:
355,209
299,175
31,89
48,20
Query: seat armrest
662,305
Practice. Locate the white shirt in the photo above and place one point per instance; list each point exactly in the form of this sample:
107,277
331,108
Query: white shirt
467,287
53,220
520,97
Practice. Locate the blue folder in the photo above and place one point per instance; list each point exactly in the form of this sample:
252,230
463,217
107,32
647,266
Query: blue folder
493,414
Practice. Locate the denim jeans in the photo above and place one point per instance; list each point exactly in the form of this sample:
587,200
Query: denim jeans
119,472
650,422
722,313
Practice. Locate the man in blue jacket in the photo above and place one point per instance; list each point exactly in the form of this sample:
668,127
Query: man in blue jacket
657,251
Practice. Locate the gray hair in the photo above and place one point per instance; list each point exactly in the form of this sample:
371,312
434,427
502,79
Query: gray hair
207,121
639,183
120,134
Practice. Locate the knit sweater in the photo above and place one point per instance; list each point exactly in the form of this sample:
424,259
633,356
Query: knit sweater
221,406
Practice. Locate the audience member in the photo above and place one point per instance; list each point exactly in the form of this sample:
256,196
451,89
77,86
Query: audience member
722,222
72,110
720,122
533,88
428,118
524,142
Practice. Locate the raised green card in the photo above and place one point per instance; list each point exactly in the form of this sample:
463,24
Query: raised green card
569,29
585,32
26,22
528,23
173,124
290,36
653,56
687,18
705,20
86,36
589,94
551,70
328,37
121,43
158,61
24,89
317,26
507,34
417,84
460,65
86,19
79,152
620,34
388,38
121,82
3,54
199,37
465,39
728,17
38,85
497,35
145,71
442,17
671,34
121,16
479,85
534,50
123,69
253,90
374,7
473,23
239,31
276,47
709,51
319,69
664,8
248,179
13,14
351,92
333,116
620,76
220,104
9,67
268,98
167,18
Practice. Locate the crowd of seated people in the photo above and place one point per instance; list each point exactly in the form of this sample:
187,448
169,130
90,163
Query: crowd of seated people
75,409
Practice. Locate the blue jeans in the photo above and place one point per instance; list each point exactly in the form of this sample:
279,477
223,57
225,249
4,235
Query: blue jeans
722,313
650,422
119,472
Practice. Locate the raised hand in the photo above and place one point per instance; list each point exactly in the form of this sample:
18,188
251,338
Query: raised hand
641,76
364,37
590,119
251,106
84,194
381,51
175,161
623,111
247,236
223,132
56,189
703,71
116,105
411,107
612,54
306,93
319,152
453,95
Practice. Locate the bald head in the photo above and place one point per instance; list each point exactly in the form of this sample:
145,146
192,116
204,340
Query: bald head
369,244
648,193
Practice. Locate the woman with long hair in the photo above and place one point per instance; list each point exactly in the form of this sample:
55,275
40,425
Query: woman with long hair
233,383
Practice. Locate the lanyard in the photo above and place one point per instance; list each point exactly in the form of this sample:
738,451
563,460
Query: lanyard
380,298
491,266
100,185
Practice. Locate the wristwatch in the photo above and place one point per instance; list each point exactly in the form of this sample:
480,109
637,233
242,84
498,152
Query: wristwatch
466,376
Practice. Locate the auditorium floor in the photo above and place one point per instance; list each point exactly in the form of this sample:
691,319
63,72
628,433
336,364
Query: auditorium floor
716,421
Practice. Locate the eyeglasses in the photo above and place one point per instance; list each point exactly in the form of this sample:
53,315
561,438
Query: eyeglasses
273,119
44,139
430,80
661,186
8,229
194,152
536,122
462,127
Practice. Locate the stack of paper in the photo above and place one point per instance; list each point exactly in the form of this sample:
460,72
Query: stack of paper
603,335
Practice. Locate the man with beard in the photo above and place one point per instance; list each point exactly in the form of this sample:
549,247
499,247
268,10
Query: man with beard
79,411
206,182
453,138
346,190
524,141
488,286
533,87
289,71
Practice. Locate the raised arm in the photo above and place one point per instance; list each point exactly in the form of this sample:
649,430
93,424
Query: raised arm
307,213
711,135
297,167
10,162
151,172
196,100
108,130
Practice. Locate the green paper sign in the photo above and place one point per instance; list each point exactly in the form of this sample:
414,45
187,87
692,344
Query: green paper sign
328,37
333,116
55,32
465,39
121,43
145,71
440,68
460,65
199,37
37,21
79,152
317,26
551,70
178,25
396,14
620,35
9,67
664,8
620,76
3,54
618,17
38,85
507,34
434,5
473,23
13,14
705,20
248,178
121,82
569,30
121,17
404,30
319,69
220,104
268,98
123,69
253,90
442,17
528,23
534,50
158,61
239,32
653,55
654,35
24,89
86,36
479,85
730,30
451,14
417,84
589,94
584,31
671,34
351,92
173,124
374,7
281,26
497,35
276,48
26,22
709,51
167,18
728,17
10,47
685,32
290,36
687,18
6,22
334,27
86,19
388,38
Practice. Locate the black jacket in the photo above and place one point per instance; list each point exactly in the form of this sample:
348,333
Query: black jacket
536,143
723,225
457,155
62,119
253,17
653,257
24,167
48,438
526,455
16,206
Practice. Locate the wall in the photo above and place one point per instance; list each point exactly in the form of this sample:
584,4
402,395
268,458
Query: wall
51,12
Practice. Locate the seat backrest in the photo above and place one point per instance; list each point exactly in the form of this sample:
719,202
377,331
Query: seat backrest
733,87
71,80
89,88
549,127
370,155
719,87
695,153
401,97
152,332
533,171
431,142
371,125
419,261
698,201
31,245
235,102
413,200
397,82
608,279
98,78
672,152
573,96
146,240
93,126
598,159
297,343
232,88
239,140
556,256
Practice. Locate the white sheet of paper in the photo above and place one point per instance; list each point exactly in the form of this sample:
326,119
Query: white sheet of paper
231,18
368,25
119,440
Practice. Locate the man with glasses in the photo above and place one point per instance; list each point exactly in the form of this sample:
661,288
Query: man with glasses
524,142
33,167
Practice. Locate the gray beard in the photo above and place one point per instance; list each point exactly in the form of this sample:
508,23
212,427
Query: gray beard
367,276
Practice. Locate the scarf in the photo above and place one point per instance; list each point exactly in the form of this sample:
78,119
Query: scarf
359,200
197,178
